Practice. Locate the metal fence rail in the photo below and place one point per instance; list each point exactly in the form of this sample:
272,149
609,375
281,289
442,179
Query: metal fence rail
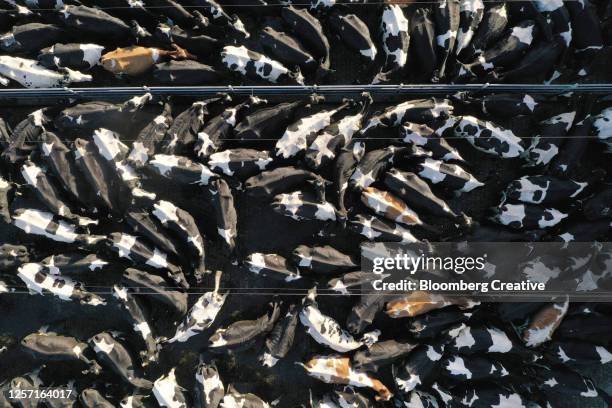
326,90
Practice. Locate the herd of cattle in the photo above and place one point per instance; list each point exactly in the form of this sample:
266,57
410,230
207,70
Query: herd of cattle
54,43
163,237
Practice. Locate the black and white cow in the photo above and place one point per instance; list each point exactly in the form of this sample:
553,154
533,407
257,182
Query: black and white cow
352,280
381,354
450,176
545,146
470,16
301,206
185,127
53,347
508,49
541,189
91,398
30,37
216,12
416,193
280,340
344,167
239,162
133,401
168,393
364,311
30,74
354,33
5,189
103,179
273,121
430,139
136,316
243,334
185,72
557,16
140,253
225,212
210,138
193,41
271,266
93,21
114,152
569,158
586,31
73,56
539,61
602,128
447,18
418,110
395,39
73,264
286,49
145,144
155,287
271,182
300,134
476,339
182,224
39,279
46,191
559,383
419,398
233,398
202,314
253,64
511,105
419,368
491,27
90,116
372,166
310,32
208,390
489,137
578,353
578,230
324,148
181,169
143,224
423,41
322,260
431,324
328,332
349,397
37,222
116,358
527,216
473,368
376,229
489,396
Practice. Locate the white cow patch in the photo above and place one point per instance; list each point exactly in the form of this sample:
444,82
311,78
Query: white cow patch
456,366
524,34
165,389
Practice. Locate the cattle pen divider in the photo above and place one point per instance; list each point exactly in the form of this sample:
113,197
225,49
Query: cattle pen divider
331,92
